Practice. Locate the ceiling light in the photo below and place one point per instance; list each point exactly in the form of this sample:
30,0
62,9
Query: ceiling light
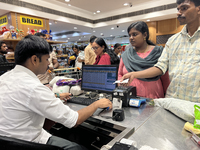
98,11
148,20
67,0
50,23
94,13
55,40
68,38
111,35
69,5
112,28
79,39
126,4
75,27
123,30
94,31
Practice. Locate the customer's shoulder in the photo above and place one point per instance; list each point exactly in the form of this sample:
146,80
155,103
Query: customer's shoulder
174,37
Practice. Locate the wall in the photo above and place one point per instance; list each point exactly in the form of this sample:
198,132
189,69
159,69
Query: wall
159,32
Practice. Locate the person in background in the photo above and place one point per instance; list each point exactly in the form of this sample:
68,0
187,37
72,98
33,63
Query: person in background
72,58
144,55
26,103
105,56
90,55
3,51
181,56
99,46
117,49
81,57
46,78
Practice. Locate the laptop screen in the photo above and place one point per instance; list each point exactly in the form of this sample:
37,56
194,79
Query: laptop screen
99,78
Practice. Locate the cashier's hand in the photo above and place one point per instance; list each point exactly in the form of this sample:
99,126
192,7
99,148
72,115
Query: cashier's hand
129,76
104,103
65,96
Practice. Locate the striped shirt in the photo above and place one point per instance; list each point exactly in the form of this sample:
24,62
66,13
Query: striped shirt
181,56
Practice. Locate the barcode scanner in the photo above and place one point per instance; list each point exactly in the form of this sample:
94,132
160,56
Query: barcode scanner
118,115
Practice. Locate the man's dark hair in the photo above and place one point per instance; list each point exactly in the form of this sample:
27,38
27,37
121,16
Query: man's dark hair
1,43
196,2
92,38
29,46
40,34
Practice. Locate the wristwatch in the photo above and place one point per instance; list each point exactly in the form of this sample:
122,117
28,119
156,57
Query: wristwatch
58,95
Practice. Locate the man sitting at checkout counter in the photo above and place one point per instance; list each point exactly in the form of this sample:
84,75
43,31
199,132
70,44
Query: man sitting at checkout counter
25,102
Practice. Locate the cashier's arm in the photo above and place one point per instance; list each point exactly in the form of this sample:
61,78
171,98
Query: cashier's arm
86,112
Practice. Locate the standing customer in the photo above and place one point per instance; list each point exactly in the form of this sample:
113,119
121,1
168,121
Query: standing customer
81,57
3,51
117,49
46,78
144,55
90,55
72,59
99,46
25,104
181,56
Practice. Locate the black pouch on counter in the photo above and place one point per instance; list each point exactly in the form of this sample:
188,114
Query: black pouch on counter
121,146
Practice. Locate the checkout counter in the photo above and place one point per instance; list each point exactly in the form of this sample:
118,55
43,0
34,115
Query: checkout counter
146,125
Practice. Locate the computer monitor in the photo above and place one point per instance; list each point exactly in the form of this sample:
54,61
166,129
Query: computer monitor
99,78
4,67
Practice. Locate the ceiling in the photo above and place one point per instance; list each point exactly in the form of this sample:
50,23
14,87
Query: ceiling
102,5
86,10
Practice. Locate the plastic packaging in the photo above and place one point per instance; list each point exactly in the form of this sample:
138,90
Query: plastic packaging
197,117
62,82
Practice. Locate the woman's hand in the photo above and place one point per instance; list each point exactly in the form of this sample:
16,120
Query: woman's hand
130,76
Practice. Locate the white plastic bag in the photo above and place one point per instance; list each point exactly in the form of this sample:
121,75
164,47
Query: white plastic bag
76,90
181,108
59,89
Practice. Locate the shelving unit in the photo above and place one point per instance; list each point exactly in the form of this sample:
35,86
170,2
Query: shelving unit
13,43
68,72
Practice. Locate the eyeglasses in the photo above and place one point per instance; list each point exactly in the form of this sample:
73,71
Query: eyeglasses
95,48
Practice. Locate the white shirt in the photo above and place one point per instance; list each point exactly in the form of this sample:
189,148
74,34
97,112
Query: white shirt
25,103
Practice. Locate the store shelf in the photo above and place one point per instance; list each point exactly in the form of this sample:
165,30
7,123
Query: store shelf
11,40
62,56
17,40
10,57
55,42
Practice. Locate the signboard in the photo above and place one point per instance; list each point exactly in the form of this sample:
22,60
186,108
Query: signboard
3,20
26,20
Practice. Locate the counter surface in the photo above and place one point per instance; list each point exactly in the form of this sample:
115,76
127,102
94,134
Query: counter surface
154,127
